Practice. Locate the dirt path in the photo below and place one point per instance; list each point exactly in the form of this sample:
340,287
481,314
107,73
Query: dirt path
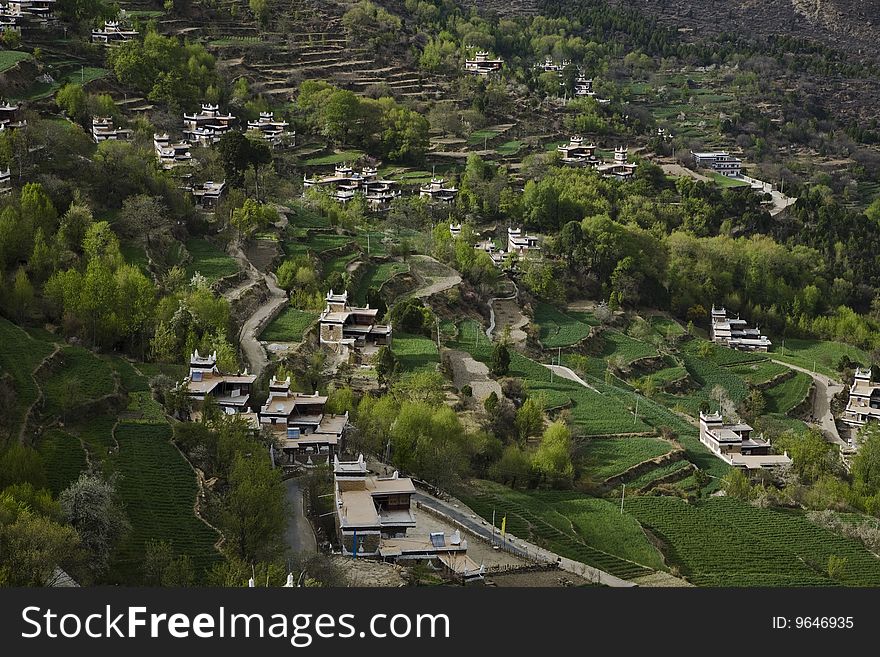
826,389
248,337
433,276
504,312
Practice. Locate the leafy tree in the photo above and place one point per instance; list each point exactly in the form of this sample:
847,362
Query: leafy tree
72,99
253,510
21,465
92,505
500,359
22,297
553,456
530,418
736,484
513,469
387,365
866,463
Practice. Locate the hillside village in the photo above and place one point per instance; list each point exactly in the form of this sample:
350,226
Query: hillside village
429,292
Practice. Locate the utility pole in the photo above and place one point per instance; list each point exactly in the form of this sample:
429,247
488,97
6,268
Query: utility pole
559,357
622,495
636,415
438,336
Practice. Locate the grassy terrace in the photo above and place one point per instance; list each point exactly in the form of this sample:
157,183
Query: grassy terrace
209,260
586,529
376,276
289,326
20,355
771,548
81,377
415,352
608,457
9,58
334,158
818,355
562,329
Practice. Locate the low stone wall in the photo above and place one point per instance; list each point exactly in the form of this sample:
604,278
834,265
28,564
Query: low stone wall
639,469
776,380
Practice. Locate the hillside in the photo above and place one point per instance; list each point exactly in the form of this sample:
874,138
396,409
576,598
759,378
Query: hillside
852,26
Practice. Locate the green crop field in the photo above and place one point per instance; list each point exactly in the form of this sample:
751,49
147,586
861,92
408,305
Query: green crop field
622,346
337,265
607,457
665,327
509,148
134,254
415,352
560,329
585,529
785,396
479,137
593,413
9,58
376,276
81,377
818,355
63,458
656,473
289,326
759,372
20,355
334,158
159,490
209,260
725,542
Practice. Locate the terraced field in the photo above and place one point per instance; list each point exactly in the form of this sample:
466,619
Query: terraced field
567,524
63,458
562,329
415,352
608,457
784,397
818,355
209,260
81,377
289,326
724,542
20,355
376,276
159,490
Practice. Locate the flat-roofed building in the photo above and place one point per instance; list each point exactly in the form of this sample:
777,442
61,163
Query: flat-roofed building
437,190
207,126
230,391
579,153
864,400
735,444
341,324
10,116
620,167
171,154
345,183
483,64
736,333
521,243
5,181
272,131
208,194
104,129
583,86
113,32
720,161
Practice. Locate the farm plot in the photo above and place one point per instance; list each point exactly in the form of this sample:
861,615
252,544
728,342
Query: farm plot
9,58
607,457
289,326
759,371
656,473
532,519
415,352
560,329
593,414
725,542
709,377
627,349
786,396
376,276
159,489
81,377
819,355
209,260
20,355
63,458
665,327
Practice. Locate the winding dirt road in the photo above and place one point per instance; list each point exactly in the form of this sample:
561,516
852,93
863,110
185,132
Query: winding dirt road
248,337
826,389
